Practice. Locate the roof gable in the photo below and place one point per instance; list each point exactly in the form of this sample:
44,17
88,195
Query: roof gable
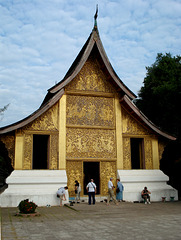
93,40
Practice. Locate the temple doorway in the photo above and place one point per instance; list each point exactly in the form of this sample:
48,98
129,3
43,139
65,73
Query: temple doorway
92,171
40,151
137,155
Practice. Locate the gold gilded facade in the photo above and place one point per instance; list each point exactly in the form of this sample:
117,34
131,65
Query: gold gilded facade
91,78
108,169
131,126
90,111
90,143
75,170
88,124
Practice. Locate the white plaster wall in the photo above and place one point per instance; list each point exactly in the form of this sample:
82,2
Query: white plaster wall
39,186
155,180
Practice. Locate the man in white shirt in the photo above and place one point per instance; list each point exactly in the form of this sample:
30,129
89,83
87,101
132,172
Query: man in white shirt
61,194
111,192
91,188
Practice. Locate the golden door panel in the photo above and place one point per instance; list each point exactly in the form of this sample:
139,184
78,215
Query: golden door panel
126,154
74,172
91,111
53,159
108,170
90,143
91,78
148,153
28,147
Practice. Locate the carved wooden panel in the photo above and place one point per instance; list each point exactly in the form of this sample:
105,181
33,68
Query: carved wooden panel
161,147
131,126
53,159
90,143
148,153
47,121
28,148
9,141
92,111
126,154
74,172
91,78
108,170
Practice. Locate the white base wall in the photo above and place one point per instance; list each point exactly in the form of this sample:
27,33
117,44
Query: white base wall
155,180
39,186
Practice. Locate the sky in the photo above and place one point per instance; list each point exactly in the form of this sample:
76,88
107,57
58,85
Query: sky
40,39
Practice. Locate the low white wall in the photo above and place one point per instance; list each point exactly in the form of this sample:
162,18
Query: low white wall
155,180
39,186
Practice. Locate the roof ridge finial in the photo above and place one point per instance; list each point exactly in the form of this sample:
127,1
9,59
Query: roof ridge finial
95,17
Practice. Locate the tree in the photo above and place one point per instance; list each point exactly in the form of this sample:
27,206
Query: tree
5,163
2,110
159,99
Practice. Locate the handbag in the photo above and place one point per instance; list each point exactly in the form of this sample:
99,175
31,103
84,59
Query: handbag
117,190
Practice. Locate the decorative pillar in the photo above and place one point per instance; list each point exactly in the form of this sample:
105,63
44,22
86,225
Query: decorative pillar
62,133
155,154
19,150
119,139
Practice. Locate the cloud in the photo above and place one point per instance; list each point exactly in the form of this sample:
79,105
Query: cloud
39,40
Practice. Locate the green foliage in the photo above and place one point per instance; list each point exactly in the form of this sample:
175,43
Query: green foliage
27,207
160,97
5,163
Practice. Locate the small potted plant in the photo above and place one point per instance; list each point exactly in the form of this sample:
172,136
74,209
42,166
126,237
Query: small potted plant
27,207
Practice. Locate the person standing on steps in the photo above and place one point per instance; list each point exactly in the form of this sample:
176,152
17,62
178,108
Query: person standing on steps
91,189
119,191
77,191
111,192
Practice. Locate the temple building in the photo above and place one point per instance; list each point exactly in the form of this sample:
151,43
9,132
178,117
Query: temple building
86,127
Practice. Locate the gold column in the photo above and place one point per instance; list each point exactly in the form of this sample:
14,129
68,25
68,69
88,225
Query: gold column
62,133
119,139
19,148
155,154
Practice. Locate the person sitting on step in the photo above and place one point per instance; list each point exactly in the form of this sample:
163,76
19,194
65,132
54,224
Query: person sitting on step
145,195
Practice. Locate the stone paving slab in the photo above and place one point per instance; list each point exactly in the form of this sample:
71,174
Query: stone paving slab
82,221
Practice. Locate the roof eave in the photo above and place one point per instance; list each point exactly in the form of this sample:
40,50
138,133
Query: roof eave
144,119
33,116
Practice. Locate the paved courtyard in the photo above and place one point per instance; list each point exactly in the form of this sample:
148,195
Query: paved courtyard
126,221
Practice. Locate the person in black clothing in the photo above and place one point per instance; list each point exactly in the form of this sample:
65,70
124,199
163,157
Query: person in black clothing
145,195
77,191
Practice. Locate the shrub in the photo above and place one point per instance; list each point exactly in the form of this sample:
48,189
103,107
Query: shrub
27,207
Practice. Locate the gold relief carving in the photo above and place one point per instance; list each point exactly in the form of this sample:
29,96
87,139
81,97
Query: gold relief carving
28,146
91,78
148,153
126,154
9,141
161,147
74,172
108,169
47,121
92,111
90,143
53,162
131,126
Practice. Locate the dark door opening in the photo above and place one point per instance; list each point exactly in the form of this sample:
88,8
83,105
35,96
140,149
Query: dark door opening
91,171
137,153
40,151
